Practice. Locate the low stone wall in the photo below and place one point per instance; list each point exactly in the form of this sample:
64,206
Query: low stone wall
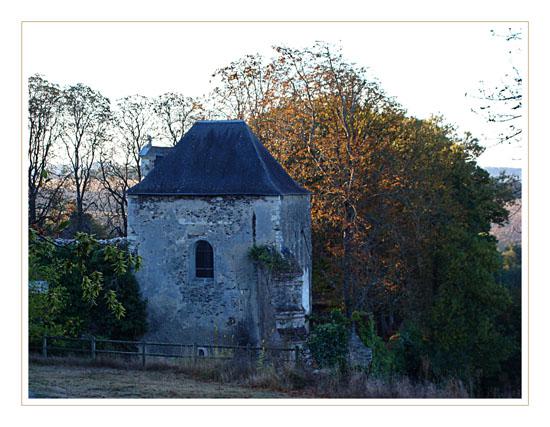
117,241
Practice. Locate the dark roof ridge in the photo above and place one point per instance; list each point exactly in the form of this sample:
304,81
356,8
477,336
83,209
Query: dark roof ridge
220,121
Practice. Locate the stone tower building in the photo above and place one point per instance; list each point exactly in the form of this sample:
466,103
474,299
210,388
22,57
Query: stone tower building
194,218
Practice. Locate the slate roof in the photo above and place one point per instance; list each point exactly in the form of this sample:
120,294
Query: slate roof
221,157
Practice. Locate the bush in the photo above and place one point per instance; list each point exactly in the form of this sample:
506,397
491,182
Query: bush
387,358
328,341
90,289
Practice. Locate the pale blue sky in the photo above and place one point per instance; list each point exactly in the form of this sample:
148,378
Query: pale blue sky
428,67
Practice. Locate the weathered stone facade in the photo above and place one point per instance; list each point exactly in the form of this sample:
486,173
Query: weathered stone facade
236,300
199,209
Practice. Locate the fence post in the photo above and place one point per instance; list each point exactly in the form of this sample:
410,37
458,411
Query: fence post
92,347
194,353
296,355
143,354
249,353
45,346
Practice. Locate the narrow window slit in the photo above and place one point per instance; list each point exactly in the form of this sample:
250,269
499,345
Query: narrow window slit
254,228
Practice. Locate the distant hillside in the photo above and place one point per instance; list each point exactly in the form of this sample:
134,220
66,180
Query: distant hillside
509,233
497,170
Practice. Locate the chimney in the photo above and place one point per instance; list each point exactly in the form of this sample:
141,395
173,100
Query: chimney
150,155
146,162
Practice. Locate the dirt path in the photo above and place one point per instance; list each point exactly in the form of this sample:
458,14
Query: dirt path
91,382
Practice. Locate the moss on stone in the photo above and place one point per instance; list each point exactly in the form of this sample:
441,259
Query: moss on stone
271,259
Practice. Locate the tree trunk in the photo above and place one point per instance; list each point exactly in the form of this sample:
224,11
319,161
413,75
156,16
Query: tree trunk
124,221
32,208
347,243
79,215
347,282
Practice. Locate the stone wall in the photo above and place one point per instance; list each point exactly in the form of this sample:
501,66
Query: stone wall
281,309
183,308
296,233
360,356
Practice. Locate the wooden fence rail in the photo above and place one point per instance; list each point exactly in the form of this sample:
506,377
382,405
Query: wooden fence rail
94,346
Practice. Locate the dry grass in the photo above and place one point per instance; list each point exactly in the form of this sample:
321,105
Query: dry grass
166,378
63,380
359,385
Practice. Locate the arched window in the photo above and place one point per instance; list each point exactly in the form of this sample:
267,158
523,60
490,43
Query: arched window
204,259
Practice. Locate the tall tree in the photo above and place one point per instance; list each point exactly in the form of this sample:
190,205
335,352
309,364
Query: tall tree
45,186
244,89
117,173
176,113
340,118
86,117
133,120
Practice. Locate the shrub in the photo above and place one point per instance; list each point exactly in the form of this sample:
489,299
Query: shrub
387,358
328,341
91,289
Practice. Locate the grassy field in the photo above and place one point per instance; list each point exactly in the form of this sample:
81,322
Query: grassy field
57,381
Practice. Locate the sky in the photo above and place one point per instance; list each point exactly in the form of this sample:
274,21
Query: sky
427,67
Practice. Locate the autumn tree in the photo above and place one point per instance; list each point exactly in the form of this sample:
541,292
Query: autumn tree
324,121
341,124
245,90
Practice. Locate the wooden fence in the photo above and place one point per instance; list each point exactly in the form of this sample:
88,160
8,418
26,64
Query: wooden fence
142,350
